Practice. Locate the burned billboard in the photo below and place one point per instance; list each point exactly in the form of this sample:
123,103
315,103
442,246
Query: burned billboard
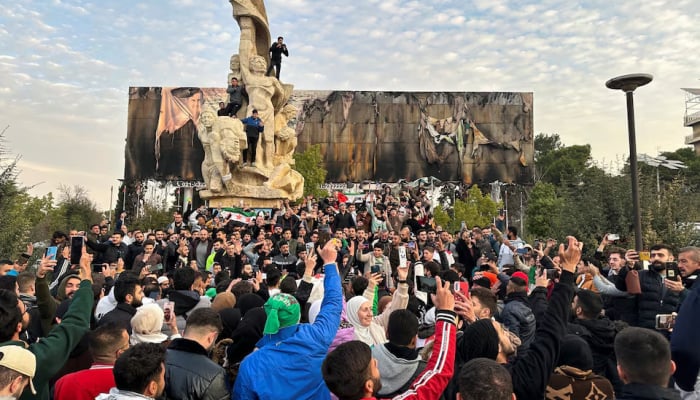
472,137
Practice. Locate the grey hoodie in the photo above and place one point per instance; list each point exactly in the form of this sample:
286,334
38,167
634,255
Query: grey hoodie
396,372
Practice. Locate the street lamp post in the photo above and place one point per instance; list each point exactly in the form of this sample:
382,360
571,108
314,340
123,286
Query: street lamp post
628,83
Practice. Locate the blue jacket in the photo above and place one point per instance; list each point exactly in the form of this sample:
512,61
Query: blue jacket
287,364
252,126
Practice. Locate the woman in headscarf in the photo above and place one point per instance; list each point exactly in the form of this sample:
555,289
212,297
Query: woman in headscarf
249,301
368,328
246,335
147,323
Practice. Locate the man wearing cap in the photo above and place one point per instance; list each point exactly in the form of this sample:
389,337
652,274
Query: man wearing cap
53,350
517,314
296,351
17,368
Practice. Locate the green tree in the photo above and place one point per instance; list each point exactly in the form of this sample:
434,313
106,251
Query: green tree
310,165
475,210
544,209
556,163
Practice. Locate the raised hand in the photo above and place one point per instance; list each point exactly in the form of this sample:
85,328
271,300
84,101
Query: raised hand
45,267
571,255
85,269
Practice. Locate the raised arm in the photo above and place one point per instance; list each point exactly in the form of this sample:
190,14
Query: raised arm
327,322
437,373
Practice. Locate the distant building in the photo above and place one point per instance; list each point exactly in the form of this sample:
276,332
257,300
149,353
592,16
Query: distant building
692,117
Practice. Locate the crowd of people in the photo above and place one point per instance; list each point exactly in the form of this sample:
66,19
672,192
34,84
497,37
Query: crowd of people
324,298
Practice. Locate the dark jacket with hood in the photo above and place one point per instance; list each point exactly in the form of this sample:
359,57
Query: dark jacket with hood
600,335
530,372
518,317
186,301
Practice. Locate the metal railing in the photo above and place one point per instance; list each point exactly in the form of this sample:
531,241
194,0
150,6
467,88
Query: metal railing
693,118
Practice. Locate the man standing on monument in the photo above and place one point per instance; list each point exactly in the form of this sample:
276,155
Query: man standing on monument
235,97
253,127
276,50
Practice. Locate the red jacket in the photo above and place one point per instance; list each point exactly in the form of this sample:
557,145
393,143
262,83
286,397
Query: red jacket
437,373
86,384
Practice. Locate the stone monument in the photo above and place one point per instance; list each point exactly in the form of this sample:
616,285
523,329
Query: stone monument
271,179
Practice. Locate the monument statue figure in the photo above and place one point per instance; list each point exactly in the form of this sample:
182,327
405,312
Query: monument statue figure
261,91
255,30
285,135
229,183
205,132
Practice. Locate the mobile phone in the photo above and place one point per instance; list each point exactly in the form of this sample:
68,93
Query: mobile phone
412,245
309,248
427,284
97,267
375,269
463,226
169,310
672,271
613,236
76,249
154,268
552,274
665,321
456,287
51,252
644,256
522,250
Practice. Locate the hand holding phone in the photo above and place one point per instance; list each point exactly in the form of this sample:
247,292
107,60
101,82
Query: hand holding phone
51,252
169,310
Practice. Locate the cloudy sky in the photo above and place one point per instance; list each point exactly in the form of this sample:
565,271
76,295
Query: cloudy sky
66,65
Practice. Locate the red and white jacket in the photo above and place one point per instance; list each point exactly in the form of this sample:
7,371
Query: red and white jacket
434,379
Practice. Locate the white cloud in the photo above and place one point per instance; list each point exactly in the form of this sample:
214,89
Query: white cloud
67,82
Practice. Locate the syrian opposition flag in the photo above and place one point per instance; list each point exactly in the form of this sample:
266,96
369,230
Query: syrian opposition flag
238,215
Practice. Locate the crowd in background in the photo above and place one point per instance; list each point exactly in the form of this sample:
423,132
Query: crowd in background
326,298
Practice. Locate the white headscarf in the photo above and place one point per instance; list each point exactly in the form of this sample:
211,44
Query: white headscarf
372,334
146,325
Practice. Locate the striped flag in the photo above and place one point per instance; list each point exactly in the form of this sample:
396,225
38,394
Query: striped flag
238,214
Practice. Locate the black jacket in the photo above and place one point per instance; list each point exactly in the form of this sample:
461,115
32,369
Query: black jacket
634,391
120,315
600,335
191,375
276,52
530,373
655,298
109,253
518,317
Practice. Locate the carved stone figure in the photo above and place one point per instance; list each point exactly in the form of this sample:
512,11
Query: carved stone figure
261,90
272,179
235,68
205,132
285,136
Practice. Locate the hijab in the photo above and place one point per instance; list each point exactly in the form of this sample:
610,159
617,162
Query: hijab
246,335
249,301
146,325
372,334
